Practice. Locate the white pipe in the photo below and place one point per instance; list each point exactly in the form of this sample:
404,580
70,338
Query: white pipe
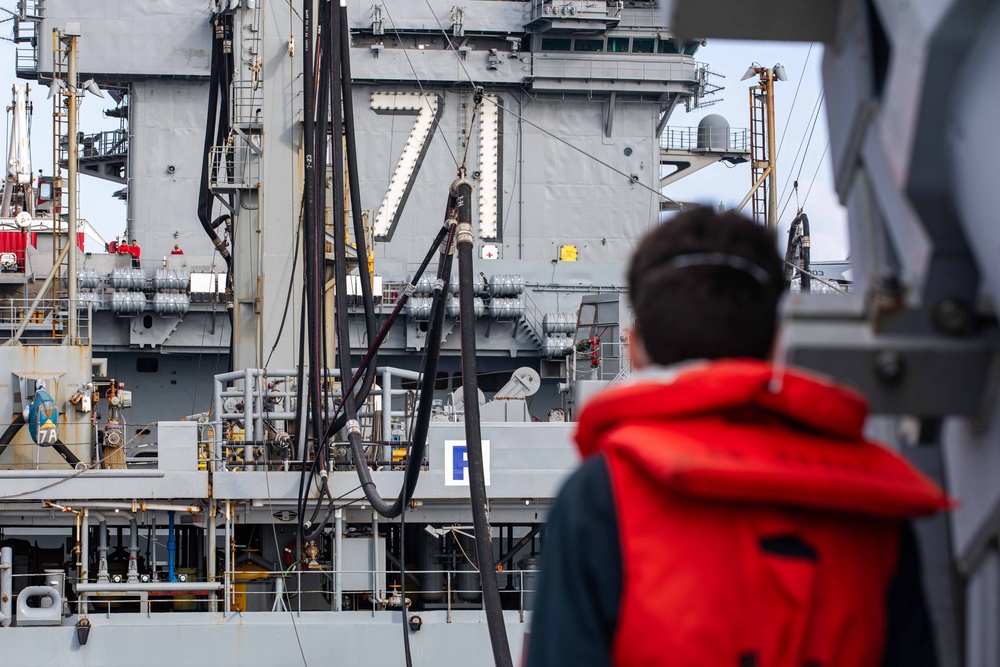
249,434
387,417
151,586
375,563
71,169
6,585
225,606
217,426
211,550
338,558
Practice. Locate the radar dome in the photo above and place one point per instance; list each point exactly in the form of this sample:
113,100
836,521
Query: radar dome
713,133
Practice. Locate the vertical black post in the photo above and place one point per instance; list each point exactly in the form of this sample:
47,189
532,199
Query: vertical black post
473,436
309,221
806,271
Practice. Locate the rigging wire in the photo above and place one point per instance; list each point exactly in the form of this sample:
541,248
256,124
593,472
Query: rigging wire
815,122
811,127
795,97
416,77
291,286
813,115
815,173
541,129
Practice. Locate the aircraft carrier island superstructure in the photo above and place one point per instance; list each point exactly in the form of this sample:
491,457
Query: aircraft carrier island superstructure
181,509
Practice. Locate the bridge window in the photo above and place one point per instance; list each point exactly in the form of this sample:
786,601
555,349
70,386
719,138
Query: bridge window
556,44
669,46
642,45
588,45
618,44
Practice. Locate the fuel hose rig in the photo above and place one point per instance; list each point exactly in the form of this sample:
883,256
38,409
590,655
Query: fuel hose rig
329,115
217,132
462,192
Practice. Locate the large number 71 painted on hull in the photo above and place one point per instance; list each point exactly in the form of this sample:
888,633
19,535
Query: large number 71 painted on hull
426,107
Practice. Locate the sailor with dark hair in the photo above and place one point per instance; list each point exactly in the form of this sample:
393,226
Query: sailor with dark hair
134,250
728,511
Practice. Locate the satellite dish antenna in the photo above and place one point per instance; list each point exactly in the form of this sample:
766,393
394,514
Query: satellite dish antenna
23,219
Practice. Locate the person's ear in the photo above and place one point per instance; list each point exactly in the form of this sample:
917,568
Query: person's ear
636,349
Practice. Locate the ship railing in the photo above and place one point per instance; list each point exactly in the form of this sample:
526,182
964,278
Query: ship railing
705,139
391,292
113,143
533,317
249,403
292,589
26,62
613,364
43,321
612,66
26,21
248,104
234,167
303,590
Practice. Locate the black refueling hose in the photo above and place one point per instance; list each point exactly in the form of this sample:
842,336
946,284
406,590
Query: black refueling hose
360,242
215,126
340,419
309,251
335,98
798,235
336,61
462,190
336,58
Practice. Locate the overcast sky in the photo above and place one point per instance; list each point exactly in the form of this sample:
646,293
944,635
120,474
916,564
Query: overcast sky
721,183
715,184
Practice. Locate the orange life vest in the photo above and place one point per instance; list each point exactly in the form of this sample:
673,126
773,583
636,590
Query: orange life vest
710,468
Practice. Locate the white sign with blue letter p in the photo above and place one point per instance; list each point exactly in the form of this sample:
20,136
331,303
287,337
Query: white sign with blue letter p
456,463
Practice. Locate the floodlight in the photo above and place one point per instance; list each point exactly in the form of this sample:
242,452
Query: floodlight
91,86
779,73
751,72
57,86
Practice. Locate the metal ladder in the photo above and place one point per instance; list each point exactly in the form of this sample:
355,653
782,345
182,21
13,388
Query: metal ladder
759,159
60,191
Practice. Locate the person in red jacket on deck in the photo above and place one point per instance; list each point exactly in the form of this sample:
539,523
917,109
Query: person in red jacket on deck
124,249
728,511
134,251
